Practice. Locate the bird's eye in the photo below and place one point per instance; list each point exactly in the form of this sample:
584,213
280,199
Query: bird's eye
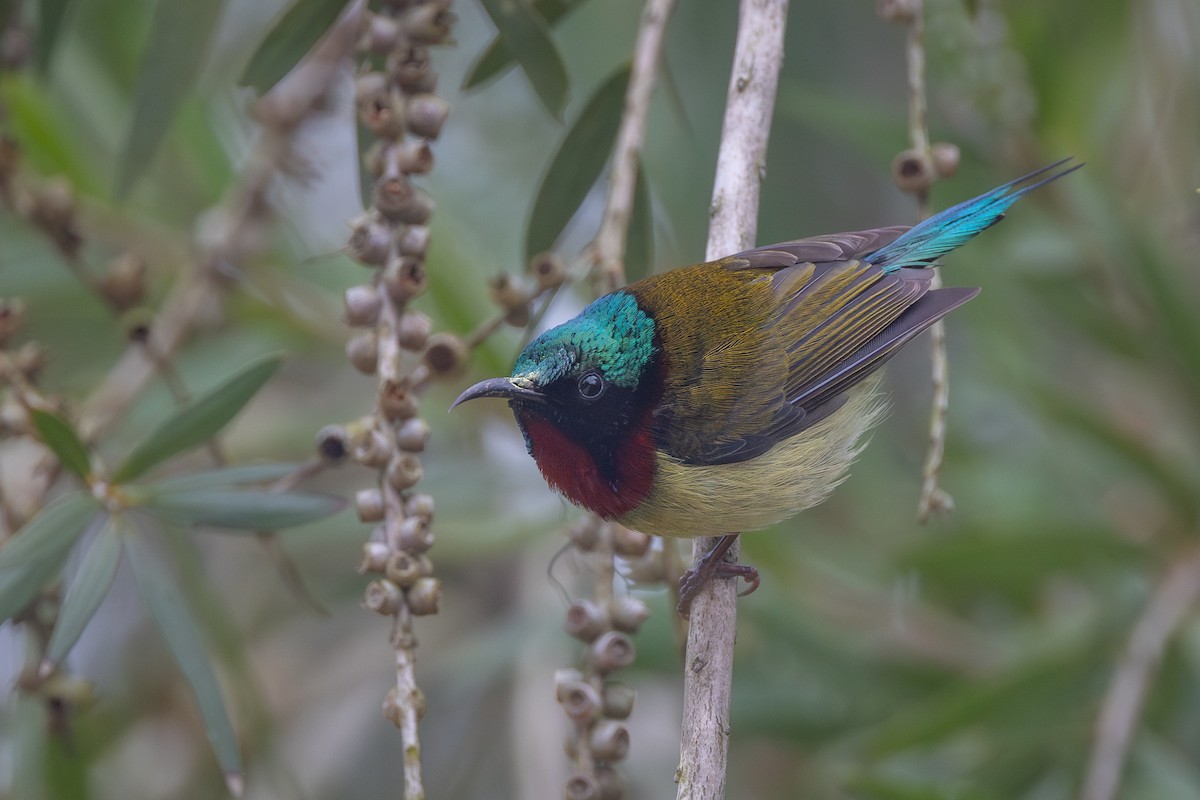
591,386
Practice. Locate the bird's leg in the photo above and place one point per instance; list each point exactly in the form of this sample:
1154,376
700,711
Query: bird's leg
714,565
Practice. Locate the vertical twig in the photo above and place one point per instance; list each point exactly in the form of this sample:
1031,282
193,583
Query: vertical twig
1173,597
741,164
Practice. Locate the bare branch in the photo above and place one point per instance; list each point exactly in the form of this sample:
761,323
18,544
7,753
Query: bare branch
741,164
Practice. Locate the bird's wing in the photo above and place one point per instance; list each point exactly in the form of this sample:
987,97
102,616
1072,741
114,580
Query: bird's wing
837,318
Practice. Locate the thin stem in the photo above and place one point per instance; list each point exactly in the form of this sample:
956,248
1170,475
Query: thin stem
1174,596
609,245
741,163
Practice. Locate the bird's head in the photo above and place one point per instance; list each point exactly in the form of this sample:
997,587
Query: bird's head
582,394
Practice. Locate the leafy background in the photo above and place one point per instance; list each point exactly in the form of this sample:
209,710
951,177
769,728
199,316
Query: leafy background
882,658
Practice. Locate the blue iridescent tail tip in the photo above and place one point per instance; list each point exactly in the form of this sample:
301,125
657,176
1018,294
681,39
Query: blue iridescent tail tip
923,244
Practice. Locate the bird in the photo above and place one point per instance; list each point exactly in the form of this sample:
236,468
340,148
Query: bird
721,398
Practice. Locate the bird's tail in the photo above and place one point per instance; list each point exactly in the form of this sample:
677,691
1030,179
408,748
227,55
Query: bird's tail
922,244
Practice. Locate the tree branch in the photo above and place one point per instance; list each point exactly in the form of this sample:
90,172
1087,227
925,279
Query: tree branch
741,164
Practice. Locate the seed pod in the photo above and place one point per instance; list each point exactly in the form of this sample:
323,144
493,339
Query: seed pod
380,34
629,543
417,210
419,505
397,400
628,613
611,651
402,569
370,241
414,157
404,470
428,22
333,443
372,450
404,278
410,66
375,557
413,435
392,196
912,171
415,535
579,700
424,595
425,115
446,354
585,620
548,270
383,113
945,158
610,740
618,700
584,532
564,678
369,505
383,597
412,332
609,780
363,352
124,284
413,240
362,306
581,786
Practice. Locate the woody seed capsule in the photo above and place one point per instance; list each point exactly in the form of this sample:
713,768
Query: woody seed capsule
375,557
423,596
383,597
404,278
413,330
581,786
610,740
628,613
362,306
564,679
369,504
579,700
332,443
611,651
370,241
372,450
402,569
548,270
124,285
945,158
415,535
413,435
413,240
425,114
446,354
585,620
363,352
618,700
419,505
410,66
403,471
414,157
912,171
397,400
629,543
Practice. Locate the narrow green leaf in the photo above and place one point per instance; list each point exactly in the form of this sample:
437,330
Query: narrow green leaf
1174,480
175,48
36,552
577,164
30,731
57,434
527,37
51,14
243,509
496,59
186,642
226,476
292,36
198,422
639,241
88,589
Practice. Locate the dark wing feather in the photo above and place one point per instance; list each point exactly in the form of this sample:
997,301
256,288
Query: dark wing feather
839,318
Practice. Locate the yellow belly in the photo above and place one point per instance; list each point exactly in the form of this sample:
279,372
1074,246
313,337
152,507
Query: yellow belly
750,495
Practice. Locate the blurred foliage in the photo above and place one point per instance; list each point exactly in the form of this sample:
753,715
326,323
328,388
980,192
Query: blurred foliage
881,659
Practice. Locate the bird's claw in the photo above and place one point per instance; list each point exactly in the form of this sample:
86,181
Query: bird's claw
694,579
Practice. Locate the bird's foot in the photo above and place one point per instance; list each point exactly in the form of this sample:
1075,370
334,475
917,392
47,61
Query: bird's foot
714,565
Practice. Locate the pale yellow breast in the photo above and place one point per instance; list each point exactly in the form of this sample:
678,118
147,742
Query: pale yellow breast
750,495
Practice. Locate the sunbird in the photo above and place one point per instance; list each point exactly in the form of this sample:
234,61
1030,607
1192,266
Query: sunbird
724,397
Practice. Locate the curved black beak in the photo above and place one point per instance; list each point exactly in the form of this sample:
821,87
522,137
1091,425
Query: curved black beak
499,387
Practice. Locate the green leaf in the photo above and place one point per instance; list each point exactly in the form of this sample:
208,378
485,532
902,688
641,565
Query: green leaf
179,36
289,40
226,476
51,14
527,37
88,589
577,164
36,552
57,434
639,240
186,642
243,510
1174,480
496,59
198,422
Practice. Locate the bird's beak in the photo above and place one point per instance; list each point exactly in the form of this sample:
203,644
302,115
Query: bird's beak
499,387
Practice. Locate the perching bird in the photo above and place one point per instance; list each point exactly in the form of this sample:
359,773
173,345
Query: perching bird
724,397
